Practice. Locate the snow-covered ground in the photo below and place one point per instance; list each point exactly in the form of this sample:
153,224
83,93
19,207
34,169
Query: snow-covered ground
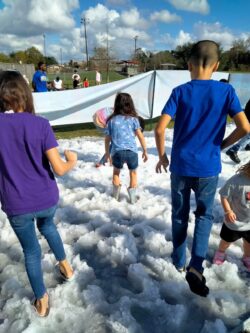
125,281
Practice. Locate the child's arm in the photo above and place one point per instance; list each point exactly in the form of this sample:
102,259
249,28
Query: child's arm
229,214
141,138
160,142
107,145
242,128
59,166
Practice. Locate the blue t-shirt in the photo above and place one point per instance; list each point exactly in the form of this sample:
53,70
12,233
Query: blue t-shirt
200,108
27,183
122,131
40,81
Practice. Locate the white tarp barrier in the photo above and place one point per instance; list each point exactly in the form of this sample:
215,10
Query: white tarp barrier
149,91
78,105
241,84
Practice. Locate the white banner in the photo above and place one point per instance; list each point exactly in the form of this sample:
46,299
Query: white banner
150,91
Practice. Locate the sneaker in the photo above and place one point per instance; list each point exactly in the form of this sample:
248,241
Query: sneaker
181,269
219,258
246,262
233,155
247,147
116,191
132,195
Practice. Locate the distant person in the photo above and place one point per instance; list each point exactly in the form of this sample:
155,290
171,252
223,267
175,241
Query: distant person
58,84
243,143
235,200
39,81
28,189
122,128
98,78
200,108
76,79
85,82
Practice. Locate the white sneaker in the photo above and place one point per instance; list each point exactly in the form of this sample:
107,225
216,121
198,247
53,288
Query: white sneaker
132,195
116,191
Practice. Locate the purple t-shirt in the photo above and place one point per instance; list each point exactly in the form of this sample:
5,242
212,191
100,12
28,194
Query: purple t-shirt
27,183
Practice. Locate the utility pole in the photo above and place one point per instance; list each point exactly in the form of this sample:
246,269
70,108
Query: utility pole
84,21
135,38
61,55
107,51
44,47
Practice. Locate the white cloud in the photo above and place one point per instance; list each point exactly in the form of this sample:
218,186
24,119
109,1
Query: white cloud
165,16
198,6
172,42
216,32
31,17
122,28
132,18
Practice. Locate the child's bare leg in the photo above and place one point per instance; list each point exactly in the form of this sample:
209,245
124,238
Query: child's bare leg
133,178
246,248
223,246
66,269
116,177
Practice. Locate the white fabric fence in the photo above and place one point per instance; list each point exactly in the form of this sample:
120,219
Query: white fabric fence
149,91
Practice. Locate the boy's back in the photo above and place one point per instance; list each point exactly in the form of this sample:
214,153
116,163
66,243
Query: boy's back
200,108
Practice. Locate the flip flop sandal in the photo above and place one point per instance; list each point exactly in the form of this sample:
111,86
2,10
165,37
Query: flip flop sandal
196,285
62,275
33,303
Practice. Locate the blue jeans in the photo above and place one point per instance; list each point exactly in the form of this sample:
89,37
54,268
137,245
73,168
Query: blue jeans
24,228
242,143
204,189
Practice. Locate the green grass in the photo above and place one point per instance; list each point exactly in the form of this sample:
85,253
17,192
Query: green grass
90,75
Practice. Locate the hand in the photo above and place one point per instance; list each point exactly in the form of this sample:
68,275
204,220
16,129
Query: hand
144,156
70,156
163,162
230,217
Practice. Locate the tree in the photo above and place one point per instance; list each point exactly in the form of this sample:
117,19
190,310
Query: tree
33,55
51,61
4,58
18,56
182,54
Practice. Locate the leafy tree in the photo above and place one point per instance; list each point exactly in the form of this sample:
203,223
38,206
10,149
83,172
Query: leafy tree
51,61
33,56
182,54
4,58
18,56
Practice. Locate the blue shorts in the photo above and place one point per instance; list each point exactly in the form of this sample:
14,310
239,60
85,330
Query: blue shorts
125,156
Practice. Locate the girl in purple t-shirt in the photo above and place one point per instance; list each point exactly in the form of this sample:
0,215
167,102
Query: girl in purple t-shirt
28,190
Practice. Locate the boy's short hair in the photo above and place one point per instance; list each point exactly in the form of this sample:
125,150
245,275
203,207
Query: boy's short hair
205,53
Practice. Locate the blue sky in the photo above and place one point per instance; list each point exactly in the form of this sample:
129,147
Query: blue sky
159,24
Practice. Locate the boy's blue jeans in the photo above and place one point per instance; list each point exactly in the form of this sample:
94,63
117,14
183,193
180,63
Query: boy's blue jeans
242,143
24,228
204,189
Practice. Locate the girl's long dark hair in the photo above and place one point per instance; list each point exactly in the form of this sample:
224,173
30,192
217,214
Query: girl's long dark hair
15,94
124,106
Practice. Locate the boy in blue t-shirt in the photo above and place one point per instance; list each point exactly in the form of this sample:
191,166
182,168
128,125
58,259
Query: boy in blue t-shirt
200,108
39,81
